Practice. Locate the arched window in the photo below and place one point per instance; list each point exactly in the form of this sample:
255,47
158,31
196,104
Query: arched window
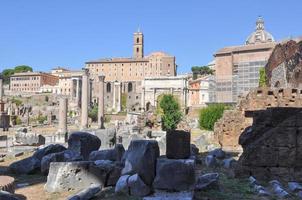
108,87
137,40
130,88
137,49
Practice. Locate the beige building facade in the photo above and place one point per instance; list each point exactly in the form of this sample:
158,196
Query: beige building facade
31,82
237,67
129,73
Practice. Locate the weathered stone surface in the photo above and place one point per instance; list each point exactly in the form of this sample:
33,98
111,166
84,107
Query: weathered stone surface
174,174
26,166
141,158
137,186
218,153
52,148
67,176
108,171
229,163
283,68
211,161
7,196
194,150
272,146
84,143
178,144
7,184
115,154
167,195
64,156
122,185
87,193
294,186
207,181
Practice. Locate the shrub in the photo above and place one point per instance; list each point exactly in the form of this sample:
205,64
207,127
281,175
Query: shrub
18,120
209,115
171,112
93,114
262,77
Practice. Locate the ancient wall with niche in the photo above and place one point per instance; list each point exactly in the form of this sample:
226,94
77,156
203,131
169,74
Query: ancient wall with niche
228,129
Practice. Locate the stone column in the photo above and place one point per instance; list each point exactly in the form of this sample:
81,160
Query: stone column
154,97
63,116
85,97
77,91
143,100
119,96
1,89
101,116
114,97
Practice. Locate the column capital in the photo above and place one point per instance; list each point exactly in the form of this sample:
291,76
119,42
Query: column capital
86,71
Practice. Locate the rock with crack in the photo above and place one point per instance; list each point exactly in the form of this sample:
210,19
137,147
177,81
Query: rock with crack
137,186
108,171
64,156
68,176
140,158
174,174
115,154
26,166
84,143
87,193
52,148
207,181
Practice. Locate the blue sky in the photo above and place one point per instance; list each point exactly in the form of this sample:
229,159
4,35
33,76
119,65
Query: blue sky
45,34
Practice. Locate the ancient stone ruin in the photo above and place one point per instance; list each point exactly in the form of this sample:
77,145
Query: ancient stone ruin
272,146
228,129
284,67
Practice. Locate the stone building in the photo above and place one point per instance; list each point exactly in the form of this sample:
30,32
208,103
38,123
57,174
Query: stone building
31,82
202,91
152,88
69,84
123,76
284,67
237,67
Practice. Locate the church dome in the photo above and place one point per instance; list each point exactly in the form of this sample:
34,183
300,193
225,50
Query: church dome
259,35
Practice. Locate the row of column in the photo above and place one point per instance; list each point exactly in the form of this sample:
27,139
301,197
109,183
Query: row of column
84,105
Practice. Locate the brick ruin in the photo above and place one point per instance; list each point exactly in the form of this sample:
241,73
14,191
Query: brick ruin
272,146
233,122
284,67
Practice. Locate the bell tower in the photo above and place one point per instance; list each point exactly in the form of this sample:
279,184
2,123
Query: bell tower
138,44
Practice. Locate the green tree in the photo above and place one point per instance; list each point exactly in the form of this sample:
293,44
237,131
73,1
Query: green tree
201,70
6,73
93,113
262,77
209,115
22,68
171,112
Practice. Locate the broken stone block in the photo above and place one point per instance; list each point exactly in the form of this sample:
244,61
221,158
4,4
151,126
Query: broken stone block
228,163
122,185
194,150
211,161
294,186
137,186
68,176
52,148
174,174
141,158
207,181
84,143
178,144
115,154
87,193
108,171
26,166
217,153
64,156
8,196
